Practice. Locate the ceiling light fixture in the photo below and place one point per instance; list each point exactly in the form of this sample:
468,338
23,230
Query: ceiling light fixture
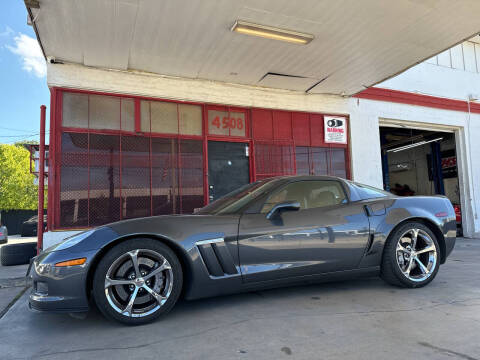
270,32
406,147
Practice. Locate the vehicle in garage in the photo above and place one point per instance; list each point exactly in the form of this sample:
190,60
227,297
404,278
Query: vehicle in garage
29,227
3,234
274,232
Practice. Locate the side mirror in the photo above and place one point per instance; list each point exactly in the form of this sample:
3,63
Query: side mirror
285,206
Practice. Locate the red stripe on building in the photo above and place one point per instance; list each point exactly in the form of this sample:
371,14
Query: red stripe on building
404,97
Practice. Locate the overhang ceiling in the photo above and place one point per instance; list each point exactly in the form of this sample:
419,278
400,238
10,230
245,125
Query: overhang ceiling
357,43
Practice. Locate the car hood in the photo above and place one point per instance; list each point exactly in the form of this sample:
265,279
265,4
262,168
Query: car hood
185,229
179,228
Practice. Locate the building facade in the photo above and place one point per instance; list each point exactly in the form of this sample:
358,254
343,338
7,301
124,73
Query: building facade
131,138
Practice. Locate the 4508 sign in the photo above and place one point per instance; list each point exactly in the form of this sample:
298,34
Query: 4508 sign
228,123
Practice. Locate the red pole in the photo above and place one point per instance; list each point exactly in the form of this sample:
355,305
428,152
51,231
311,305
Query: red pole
41,179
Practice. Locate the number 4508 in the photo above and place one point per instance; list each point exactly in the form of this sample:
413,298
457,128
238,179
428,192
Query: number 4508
232,123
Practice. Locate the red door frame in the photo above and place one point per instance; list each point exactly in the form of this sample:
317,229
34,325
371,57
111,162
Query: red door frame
238,139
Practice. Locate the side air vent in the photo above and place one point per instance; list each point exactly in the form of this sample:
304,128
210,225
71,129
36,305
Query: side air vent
217,258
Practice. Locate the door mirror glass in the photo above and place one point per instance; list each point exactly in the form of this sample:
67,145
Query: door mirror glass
286,206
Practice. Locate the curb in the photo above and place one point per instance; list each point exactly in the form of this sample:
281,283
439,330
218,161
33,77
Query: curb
15,299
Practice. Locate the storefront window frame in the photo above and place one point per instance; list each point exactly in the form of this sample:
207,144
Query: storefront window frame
57,129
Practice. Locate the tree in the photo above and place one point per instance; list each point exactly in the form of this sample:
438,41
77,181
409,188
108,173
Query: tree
17,190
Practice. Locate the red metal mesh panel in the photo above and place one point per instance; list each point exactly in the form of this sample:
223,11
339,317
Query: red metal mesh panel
282,125
316,128
74,181
274,159
191,176
301,129
321,161
338,162
104,160
302,158
288,159
262,124
320,158
164,175
135,176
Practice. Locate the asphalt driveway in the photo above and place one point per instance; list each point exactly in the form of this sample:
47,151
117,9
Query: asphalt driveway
12,278
365,319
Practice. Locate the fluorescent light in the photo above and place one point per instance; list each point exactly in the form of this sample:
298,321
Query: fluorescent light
270,32
405,147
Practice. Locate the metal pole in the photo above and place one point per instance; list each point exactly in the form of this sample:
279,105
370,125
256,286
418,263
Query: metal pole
41,179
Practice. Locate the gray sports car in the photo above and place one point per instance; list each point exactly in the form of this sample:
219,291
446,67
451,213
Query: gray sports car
275,232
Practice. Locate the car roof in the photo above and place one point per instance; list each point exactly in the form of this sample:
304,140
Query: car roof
306,177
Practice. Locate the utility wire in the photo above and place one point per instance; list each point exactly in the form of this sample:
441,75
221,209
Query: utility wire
23,135
11,129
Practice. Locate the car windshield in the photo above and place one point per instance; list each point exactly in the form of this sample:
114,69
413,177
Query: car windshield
237,199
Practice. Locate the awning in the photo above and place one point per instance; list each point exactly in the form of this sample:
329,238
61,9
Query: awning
355,45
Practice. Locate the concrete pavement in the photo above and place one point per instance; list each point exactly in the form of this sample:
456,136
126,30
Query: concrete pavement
12,278
363,319
12,285
17,239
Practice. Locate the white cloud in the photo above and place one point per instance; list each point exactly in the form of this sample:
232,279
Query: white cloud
29,50
8,31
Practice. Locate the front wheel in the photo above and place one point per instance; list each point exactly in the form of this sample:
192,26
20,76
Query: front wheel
137,281
411,256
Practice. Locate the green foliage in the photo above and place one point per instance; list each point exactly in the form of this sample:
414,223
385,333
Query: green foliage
17,190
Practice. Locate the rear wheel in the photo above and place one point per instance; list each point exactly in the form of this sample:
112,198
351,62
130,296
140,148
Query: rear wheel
411,256
137,281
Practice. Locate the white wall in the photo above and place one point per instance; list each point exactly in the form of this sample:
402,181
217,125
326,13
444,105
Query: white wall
51,238
365,116
453,74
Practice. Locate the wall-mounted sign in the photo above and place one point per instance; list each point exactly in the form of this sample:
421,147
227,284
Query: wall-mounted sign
335,129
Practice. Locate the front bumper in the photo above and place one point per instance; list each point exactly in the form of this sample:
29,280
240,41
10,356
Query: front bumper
58,289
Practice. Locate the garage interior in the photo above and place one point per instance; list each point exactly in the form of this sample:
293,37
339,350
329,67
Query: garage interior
420,162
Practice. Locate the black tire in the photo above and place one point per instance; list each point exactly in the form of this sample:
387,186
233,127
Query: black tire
390,268
17,254
99,293
459,231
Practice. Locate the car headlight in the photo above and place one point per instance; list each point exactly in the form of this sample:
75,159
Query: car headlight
73,240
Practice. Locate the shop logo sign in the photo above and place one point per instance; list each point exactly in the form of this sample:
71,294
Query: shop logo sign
335,129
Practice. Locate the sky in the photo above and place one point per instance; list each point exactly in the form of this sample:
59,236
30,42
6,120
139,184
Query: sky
23,82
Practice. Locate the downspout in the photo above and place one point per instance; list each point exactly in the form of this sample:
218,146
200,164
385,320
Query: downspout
41,181
29,5
469,151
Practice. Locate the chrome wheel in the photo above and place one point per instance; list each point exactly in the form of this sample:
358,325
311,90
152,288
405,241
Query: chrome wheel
138,283
416,255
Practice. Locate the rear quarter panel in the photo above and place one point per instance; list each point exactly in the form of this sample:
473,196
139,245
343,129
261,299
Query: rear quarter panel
437,211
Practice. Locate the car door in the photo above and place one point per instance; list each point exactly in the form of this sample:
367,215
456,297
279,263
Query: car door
328,233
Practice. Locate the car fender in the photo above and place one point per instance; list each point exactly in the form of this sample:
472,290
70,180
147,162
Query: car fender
182,235
433,211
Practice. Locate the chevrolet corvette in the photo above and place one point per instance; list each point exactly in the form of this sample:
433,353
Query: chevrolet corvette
275,232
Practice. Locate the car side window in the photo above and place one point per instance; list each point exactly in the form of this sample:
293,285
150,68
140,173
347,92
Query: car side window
309,193
369,192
